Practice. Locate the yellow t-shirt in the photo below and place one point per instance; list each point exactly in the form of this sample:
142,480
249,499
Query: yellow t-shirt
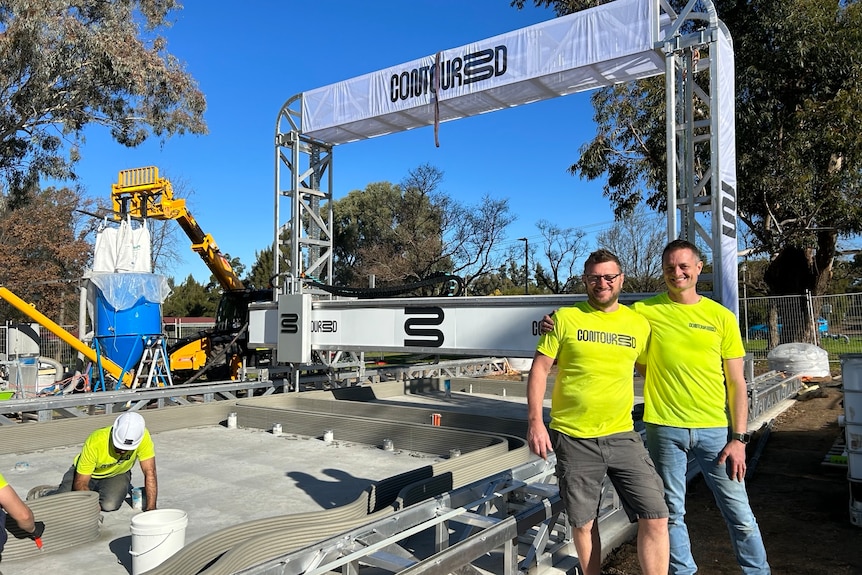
595,351
3,482
685,372
98,458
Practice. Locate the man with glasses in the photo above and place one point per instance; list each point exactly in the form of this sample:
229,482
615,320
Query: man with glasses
696,406
106,460
596,344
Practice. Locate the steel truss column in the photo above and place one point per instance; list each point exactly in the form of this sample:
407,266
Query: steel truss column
303,174
303,247
691,80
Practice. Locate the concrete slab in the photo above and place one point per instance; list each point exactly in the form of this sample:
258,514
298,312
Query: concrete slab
220,477
223,477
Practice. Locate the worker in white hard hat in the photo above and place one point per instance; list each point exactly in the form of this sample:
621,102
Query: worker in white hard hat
106,461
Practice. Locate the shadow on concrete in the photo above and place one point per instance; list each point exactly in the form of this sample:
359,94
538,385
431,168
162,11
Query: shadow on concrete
121,547
343,489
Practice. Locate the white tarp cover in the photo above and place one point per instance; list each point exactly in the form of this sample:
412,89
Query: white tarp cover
124,248
598,47
123,291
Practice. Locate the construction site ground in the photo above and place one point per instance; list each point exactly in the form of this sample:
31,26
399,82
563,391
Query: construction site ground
801,504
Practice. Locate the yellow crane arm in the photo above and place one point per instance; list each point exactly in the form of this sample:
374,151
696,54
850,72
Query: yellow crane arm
43,320
141,193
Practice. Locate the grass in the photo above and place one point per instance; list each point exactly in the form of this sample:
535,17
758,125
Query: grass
834,347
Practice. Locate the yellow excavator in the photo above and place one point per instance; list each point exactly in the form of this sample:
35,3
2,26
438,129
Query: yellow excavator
221,351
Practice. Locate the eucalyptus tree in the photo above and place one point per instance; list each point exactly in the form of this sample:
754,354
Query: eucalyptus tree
66,66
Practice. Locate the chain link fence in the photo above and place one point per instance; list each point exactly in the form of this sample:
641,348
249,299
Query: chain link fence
833,322
53,347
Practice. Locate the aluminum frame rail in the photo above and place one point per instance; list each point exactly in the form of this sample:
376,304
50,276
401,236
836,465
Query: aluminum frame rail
123,399
506,524
768,390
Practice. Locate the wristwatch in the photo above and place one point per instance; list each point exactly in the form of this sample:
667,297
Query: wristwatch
743,437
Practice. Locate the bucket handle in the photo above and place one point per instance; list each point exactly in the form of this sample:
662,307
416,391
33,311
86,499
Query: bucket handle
139,553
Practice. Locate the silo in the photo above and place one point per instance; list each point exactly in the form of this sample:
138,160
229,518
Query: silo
128,310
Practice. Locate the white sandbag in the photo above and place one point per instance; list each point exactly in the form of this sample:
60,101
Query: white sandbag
803,359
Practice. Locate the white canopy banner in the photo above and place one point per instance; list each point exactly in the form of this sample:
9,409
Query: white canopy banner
727,172
601,46
589,49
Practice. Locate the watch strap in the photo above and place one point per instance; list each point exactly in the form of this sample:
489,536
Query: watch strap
743,437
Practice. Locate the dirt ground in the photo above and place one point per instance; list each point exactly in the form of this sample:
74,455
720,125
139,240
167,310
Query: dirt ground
802,506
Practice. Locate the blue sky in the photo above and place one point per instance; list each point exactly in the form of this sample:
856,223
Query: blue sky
249,61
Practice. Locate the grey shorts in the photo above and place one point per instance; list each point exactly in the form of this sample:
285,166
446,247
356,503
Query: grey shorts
583,463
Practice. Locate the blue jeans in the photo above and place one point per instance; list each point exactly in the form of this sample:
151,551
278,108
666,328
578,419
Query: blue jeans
670,449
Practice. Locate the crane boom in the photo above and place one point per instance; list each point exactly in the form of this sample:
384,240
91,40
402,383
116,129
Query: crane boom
141,193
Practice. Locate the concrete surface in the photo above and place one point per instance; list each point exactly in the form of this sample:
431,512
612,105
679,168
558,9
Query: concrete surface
220,477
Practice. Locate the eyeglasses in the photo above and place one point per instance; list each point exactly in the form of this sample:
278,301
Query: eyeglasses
596,278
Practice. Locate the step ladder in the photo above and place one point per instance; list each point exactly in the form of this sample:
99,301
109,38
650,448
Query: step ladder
153,370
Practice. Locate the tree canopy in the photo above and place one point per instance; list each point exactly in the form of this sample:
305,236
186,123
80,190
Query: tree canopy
638,241
64,66
404,232
799,132
44,251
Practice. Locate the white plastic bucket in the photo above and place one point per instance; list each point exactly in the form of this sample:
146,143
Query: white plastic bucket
156,535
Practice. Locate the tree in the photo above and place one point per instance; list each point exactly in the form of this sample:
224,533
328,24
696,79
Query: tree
375,235
190,299
405,232
166,238
475,231
799,133
562,248
44,251
261,273
66,66
638,241
504,280
848,275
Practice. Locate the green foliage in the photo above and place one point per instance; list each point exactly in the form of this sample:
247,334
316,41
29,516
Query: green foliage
404,232
190,299
847,277
386,231
260,275
64,66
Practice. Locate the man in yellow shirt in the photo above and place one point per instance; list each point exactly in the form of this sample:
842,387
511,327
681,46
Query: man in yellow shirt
596,344
696,406
106,461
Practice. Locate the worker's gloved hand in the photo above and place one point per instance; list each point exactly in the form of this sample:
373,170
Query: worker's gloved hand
40,529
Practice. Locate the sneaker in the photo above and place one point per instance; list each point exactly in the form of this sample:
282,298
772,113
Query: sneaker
40,491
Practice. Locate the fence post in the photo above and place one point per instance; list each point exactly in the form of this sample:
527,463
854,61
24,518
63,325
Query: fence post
810,305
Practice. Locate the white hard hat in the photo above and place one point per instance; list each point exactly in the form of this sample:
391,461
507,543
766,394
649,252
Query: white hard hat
128,431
